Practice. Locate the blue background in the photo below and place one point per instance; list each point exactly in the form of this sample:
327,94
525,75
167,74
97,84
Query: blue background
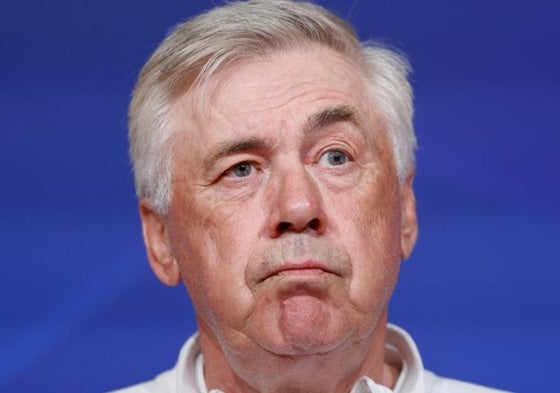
81,312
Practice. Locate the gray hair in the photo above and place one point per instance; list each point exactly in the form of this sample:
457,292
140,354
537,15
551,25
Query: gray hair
201,47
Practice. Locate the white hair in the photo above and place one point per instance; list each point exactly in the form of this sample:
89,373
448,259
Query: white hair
201,47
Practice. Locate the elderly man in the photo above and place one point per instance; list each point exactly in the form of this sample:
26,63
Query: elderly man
274,161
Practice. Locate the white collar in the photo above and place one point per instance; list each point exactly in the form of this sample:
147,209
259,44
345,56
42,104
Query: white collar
401,351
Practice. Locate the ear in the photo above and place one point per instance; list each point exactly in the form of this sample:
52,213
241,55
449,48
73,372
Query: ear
156,240
409,224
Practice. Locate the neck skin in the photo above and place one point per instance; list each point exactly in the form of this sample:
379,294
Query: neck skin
333,372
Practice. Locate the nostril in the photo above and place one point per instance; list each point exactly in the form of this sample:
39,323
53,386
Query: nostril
283,226
314,224
286,226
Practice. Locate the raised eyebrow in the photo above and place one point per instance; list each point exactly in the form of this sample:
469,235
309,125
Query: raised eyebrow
228,148
330,115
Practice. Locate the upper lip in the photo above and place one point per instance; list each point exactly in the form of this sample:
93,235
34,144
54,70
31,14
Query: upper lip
304,265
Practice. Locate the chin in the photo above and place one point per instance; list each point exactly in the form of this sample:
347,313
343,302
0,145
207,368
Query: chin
306,325
310,343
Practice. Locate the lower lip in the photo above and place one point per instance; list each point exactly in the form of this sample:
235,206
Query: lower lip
301,272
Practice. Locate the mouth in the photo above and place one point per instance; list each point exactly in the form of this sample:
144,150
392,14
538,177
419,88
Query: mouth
307,268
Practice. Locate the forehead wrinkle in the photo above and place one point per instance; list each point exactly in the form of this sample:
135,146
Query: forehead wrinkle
280,93
272,104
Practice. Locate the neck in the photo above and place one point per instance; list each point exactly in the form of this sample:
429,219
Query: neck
333,372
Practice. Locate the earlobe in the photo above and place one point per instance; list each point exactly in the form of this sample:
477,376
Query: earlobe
156,240
409,225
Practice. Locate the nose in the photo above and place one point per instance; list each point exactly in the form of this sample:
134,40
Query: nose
295,204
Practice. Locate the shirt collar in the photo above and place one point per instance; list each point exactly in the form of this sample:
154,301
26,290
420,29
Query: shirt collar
400,351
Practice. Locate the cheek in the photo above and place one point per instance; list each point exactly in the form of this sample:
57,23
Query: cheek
208,244
373,236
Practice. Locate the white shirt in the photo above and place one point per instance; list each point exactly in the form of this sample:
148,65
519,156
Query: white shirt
400,350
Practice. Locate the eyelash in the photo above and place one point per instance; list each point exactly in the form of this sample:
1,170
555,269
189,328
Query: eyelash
347,157
337,149
230,171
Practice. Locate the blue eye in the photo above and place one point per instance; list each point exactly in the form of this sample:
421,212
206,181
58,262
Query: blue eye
243,169
335,157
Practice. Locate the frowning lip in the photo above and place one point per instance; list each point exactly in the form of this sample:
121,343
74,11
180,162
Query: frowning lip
294,268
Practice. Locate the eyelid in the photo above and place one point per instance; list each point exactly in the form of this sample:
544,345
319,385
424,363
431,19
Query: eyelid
231,162
343,148
229,171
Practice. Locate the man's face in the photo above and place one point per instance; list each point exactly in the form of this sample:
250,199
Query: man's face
286,219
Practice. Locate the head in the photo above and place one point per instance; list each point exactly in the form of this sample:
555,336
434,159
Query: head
196,50
274,157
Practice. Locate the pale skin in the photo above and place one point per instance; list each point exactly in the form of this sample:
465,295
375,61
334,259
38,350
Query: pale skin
287,225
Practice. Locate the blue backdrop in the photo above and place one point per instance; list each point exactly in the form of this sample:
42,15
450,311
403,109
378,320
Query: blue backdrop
79,308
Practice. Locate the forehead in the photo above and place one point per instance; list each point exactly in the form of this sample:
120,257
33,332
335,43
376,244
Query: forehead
282,88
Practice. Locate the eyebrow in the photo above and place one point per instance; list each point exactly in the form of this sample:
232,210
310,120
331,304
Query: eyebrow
229,148
328,116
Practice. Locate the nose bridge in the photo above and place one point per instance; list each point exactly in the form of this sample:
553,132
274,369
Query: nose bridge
300,191
296,203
